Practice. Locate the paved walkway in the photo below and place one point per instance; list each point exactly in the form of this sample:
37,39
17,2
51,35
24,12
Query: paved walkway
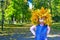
26,36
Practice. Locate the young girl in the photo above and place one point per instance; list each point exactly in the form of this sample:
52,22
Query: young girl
42,29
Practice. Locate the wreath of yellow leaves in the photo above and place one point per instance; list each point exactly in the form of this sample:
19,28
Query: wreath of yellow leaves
36,14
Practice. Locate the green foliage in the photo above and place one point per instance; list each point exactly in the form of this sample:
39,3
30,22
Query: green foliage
0,16
56,7
19,9
9,11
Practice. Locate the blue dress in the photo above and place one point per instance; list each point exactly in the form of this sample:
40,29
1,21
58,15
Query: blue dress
41,32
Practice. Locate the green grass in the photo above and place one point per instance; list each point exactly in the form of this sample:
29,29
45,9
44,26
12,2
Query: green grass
17,25
24,28
56,26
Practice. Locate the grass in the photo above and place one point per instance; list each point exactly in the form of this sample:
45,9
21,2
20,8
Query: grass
17,25
24,28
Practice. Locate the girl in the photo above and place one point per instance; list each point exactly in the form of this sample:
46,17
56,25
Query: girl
42,29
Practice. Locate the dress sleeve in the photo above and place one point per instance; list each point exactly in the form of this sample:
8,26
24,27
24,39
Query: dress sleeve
32,29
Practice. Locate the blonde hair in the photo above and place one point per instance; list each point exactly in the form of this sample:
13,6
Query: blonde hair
41,13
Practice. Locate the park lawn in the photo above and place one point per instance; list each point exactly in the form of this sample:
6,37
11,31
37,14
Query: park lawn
24,28
53,26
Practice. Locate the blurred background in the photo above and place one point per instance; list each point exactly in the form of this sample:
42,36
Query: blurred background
15,17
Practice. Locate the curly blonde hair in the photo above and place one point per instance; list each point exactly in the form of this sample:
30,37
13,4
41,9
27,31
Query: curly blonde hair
41,13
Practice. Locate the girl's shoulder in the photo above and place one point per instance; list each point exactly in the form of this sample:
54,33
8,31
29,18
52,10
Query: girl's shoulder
33,26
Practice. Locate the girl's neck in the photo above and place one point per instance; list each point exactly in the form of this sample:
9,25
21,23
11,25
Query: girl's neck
41,24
